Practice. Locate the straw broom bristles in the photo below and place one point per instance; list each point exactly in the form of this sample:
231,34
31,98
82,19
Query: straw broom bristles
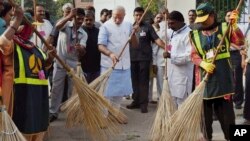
89,110
100,83
165,110
92,103
166,106
73,108
185,124
72,105
8,129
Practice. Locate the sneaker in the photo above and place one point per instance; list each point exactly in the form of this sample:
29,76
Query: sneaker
52,117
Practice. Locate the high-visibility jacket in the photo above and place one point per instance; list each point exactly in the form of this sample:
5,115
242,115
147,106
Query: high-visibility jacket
31,102
204,44
220,83
29,66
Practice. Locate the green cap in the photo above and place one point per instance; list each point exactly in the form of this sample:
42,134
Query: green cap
203,11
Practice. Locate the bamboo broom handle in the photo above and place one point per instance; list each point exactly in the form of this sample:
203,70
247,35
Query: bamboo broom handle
133,32
222,40
166,38
74,5
35,18
75,29
166,14
65,66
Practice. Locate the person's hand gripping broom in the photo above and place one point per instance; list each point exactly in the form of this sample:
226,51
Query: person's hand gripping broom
185,123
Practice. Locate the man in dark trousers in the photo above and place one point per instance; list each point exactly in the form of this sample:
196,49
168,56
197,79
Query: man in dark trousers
141,57
246,109
235,53
91,60
220,85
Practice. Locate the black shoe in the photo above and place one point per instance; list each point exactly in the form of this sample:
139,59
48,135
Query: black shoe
52,117
238,107
133,106
144,108
153,102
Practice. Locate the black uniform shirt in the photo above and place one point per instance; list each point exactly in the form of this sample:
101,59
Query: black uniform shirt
145,36
91,60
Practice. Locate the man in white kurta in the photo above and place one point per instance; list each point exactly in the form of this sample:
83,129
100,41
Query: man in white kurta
180,67
112,37
43,26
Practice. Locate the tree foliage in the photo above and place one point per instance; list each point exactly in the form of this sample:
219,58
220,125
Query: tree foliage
54,8
49,5
59,5
153,7
222,6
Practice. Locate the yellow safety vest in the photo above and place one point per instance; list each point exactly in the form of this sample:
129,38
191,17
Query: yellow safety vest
22,79
224,51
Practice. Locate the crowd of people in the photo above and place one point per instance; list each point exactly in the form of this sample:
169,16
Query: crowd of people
188,49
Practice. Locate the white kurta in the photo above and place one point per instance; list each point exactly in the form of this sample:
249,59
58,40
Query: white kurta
180,67
44,29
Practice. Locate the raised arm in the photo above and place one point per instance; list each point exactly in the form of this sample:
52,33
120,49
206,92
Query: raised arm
60,24
11,30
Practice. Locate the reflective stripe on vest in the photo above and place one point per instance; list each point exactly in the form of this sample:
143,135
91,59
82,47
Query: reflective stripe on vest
22,79
201,51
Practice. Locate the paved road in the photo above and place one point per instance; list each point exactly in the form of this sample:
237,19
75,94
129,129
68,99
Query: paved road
133,131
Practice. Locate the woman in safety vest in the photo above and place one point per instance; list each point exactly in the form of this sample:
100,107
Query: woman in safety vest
31,101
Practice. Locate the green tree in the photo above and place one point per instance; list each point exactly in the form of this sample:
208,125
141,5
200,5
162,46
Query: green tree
59,5
153,7
221,6
49,5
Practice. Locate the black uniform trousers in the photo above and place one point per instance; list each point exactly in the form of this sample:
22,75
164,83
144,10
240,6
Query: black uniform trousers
225,113
140,82
238,97
246,110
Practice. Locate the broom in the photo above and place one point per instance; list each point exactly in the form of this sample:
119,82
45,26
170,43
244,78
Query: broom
104,77
72,106
92,103
8,129
166,106
185,124
98,85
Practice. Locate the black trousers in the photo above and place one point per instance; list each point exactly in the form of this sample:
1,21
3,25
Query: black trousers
224,112
140,81
238,97
246,110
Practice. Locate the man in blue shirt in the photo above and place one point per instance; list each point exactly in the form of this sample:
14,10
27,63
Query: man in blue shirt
112,37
